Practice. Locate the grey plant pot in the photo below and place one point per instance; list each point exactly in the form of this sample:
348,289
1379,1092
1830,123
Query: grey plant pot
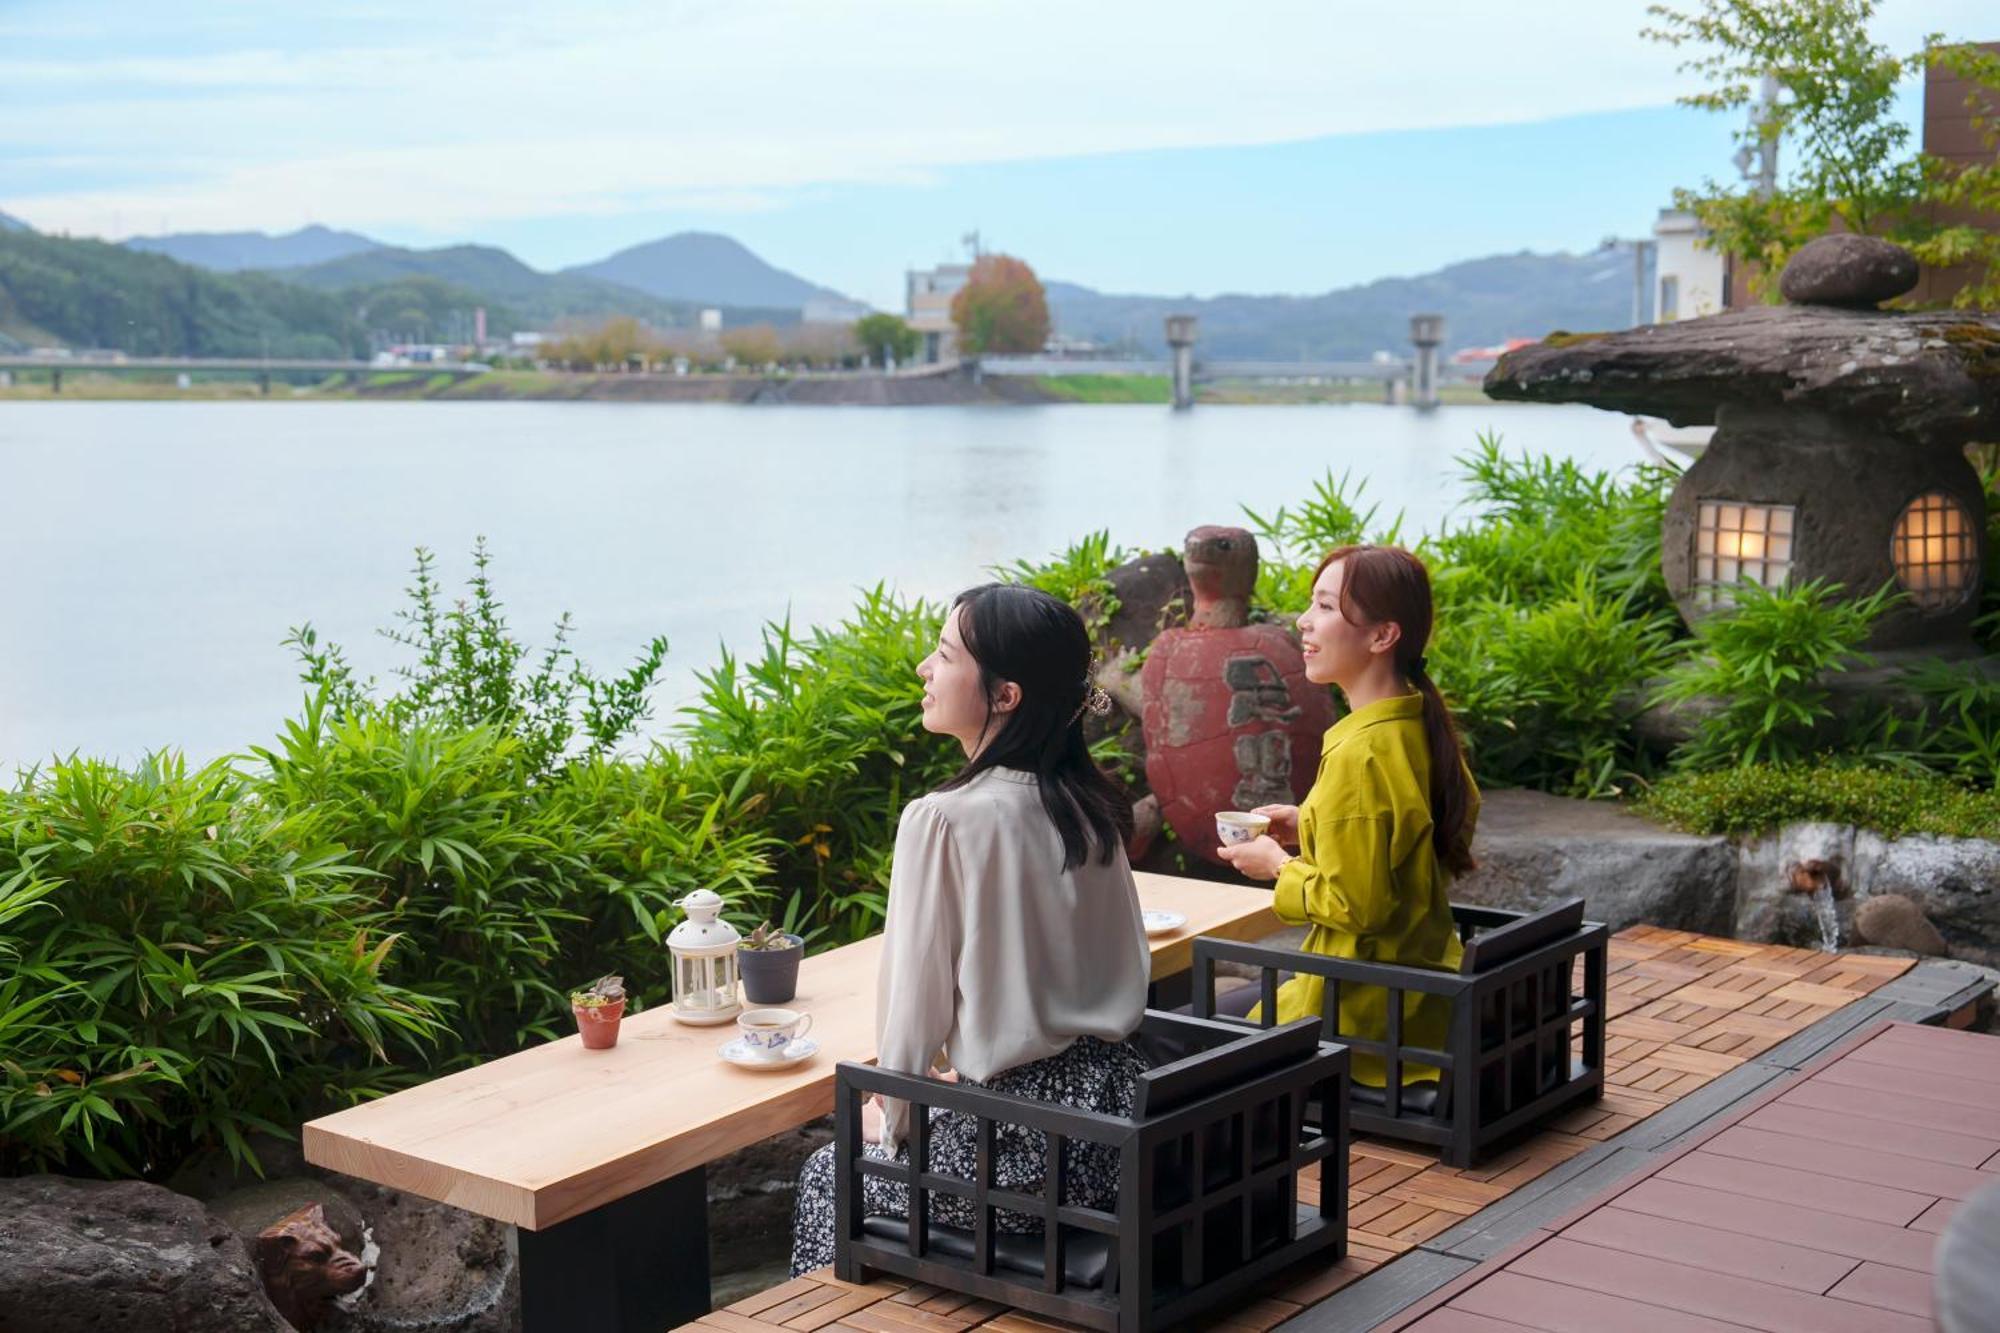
770,976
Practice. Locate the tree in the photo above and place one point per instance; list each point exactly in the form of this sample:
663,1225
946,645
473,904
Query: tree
1835,112
886,337
1001,308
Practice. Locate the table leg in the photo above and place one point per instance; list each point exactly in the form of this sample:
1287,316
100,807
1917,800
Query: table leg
636,1264
1171,991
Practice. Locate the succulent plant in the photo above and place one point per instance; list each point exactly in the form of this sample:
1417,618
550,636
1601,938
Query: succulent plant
607,989
768,937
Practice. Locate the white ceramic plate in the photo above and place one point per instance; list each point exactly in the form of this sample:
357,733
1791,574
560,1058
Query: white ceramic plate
738,1053
1161,923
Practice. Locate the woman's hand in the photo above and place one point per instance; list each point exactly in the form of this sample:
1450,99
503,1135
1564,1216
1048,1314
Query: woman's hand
1260,858
1284,822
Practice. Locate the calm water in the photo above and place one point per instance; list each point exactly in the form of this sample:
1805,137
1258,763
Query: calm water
156,553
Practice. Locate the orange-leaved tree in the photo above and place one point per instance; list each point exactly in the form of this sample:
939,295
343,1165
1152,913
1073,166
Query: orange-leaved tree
1001,309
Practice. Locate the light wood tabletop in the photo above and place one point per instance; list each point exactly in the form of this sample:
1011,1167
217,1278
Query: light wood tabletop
554,1131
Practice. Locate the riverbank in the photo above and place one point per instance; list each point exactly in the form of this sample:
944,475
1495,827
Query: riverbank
921,390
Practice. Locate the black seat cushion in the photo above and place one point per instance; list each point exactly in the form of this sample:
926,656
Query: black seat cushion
1418,1098
1086,1256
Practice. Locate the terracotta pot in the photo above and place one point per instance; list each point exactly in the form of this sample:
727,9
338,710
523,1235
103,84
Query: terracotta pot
599,1024
770,976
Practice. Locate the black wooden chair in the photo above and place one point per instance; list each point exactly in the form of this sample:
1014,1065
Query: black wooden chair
1208,1197
1515,1008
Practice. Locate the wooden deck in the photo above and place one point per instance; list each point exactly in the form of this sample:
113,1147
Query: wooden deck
1815,1208
1684,1010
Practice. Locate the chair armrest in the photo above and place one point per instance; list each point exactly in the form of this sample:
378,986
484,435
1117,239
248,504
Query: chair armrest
1423,979
1469,914
1091,1126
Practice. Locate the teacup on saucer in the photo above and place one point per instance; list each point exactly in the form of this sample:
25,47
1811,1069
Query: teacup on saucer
767,1032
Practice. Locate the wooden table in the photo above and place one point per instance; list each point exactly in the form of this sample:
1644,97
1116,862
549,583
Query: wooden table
597,1157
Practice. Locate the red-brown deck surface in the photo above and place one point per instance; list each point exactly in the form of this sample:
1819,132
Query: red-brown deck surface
1816,1210
1683,1010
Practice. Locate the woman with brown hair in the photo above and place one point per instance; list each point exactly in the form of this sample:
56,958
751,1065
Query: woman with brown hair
1388,822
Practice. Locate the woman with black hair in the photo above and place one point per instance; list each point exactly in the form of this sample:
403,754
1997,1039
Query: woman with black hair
1013,943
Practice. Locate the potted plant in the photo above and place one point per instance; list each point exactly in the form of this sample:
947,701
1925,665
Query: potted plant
598,1008
768,962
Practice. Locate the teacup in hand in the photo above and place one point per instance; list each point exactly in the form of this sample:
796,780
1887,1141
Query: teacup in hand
1240,826
767,1032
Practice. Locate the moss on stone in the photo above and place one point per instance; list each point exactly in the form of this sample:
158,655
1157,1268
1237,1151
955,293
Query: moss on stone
1978,347
1564,338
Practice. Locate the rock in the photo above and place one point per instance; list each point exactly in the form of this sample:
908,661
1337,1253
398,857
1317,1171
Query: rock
1848,270
1922,377
304,1266
1792,885
750,1197
1534,849
1891,921
439,1269
92,1255
1955,882
1152,594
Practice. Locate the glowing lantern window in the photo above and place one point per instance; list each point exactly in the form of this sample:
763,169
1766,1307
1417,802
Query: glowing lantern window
1935,550
1734,541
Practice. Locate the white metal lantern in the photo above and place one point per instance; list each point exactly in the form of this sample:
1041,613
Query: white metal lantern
703,949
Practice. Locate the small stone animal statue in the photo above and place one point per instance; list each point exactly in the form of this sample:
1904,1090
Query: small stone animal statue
304,1267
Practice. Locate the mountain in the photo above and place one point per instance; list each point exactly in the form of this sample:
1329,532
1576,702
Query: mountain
92,294
9,223
234,251
1484,302
706,268
497,276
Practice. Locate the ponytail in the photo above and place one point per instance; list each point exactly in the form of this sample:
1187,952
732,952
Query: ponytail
1387,583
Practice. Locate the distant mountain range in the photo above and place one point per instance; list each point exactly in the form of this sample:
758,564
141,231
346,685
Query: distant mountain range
703,266
234,251
1484,302
10,223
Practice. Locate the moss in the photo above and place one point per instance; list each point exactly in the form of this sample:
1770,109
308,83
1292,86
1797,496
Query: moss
1756,800
1978,347
1564,338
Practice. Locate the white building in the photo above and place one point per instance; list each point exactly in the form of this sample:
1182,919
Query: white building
927,307
711,320
1691,279
831,310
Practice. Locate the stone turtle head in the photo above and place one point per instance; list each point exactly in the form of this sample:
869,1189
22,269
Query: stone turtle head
304,1267
1221,564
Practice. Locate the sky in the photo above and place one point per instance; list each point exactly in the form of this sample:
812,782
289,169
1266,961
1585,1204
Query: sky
1164,147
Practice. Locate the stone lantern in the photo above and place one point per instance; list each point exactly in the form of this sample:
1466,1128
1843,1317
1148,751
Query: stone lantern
1839,450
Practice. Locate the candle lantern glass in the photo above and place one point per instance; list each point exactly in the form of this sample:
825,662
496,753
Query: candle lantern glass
1734,541
1935,550
703,949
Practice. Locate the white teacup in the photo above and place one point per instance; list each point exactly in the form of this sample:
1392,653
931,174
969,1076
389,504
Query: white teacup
767,1032
1239,826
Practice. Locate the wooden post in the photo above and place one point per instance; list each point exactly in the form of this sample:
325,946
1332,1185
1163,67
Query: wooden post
1180,340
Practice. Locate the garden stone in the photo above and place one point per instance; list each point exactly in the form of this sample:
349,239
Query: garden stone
438,1269
1848,270
1788,883
1955,881
88,1255
1534,849
1152,594
1891,921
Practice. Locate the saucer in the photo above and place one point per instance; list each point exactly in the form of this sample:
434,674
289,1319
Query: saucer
737,1052
1161,923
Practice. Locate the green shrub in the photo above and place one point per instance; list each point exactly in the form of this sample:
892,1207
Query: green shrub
1959,732
193,964
1545,694
1755,674
1078,575
1292,542
1759,798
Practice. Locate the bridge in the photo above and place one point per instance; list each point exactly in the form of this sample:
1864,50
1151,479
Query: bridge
262,367
1415,378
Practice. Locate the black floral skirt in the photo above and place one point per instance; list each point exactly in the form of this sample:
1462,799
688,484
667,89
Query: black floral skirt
1090,1075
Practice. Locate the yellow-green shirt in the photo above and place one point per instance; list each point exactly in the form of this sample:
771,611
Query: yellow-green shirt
1367,879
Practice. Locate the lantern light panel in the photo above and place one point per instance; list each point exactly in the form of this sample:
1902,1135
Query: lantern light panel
1736,540
1935,551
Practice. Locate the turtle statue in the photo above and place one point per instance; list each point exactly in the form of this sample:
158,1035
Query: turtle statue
1230,720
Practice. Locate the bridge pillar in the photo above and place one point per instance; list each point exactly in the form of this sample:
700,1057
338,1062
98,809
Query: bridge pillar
1180,341
1427,332
55,380
264,383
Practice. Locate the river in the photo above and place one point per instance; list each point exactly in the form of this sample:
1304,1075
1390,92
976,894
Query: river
156,553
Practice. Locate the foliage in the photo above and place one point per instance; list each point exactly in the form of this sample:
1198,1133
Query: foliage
886,338
1079,575
1837,120
1001,309
95,295
1292,542
754,346
1959,731
1756,799
1107,388
1757,671
472,672
768,938
202,965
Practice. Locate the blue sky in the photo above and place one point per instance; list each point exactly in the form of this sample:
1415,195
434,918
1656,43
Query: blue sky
1157,147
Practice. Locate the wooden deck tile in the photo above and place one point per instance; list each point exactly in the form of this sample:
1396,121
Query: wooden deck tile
1683,1010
